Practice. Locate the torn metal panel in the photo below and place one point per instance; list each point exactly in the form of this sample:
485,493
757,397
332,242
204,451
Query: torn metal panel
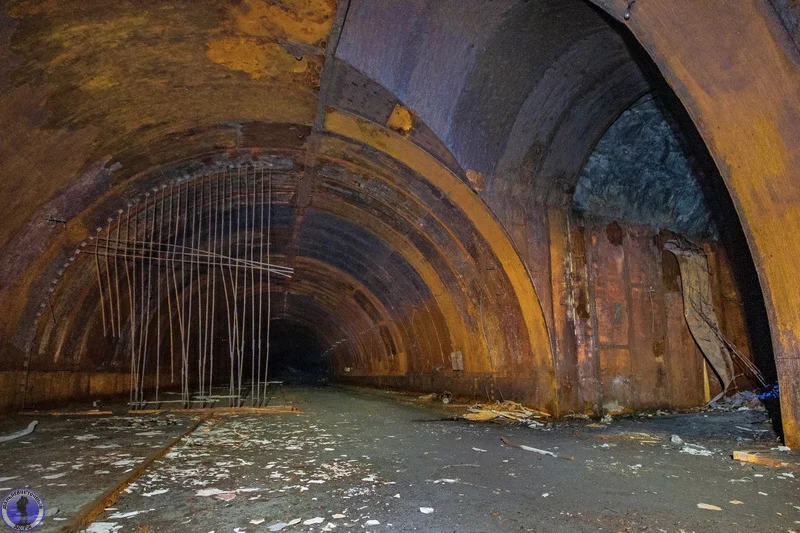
698,307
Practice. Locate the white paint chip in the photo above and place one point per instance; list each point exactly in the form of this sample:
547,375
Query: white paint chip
103,527
155,492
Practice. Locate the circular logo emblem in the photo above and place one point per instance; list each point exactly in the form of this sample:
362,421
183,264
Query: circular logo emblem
23,510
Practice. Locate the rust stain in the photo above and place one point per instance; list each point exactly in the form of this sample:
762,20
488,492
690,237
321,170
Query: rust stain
24,8
401,120
476,179
614,233
303,21
259,60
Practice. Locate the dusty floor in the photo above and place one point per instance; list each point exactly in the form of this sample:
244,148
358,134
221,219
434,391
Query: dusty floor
368,462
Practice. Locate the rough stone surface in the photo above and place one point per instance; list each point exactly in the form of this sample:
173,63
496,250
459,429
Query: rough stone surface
640,171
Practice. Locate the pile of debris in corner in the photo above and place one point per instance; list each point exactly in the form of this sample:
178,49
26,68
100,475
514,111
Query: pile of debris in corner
741,401
506,411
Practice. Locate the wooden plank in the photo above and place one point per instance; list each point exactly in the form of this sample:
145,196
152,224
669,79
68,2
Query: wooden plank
65,413
213,411
765,458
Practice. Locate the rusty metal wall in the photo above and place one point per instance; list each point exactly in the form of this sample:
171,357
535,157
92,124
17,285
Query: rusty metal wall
623,343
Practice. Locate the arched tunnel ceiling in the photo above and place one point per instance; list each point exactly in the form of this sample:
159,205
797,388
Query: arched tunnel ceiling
402,135
519,91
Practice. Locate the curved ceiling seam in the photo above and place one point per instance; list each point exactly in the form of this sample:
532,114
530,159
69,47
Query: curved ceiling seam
417,159
432,279
418,201
371,222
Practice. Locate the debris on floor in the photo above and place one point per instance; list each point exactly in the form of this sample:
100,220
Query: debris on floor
21,433
347,462
444,397
535,450
696,449
641,437
103,527
506,410
709,507
741,401
768,458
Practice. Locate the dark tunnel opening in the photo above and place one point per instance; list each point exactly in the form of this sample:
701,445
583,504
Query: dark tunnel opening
297,354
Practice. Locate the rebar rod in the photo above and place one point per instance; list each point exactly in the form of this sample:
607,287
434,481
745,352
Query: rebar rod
200,347
116,276
209,273
236,285
132,290
184,333
253,297
108,281
213,286
146,325
260,280
169,299
232,316
194,256
100,282
158,296
269,282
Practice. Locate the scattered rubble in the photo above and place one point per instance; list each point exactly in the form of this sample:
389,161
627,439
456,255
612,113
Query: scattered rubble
506,410
445,397
696,449
741,401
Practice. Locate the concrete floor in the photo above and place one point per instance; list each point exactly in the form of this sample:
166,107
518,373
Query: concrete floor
352,458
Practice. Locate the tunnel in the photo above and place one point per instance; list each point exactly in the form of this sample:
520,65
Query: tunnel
586,207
